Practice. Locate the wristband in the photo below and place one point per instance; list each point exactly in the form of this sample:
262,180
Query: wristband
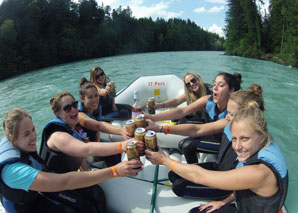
114,172
167,129
163,105
120,147
172,165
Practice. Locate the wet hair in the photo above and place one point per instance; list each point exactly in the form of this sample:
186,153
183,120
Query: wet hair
252,113
253,93
93,72
56,101
233,80
11,122
84,85
190,95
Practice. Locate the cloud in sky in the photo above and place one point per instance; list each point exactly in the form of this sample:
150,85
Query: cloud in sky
211,10
216,29
139,10
216,1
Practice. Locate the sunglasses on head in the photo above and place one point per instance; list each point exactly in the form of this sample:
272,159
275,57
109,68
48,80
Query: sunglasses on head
100,74
193,80
68,107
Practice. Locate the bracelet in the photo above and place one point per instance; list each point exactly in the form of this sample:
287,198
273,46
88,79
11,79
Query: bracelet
161,128
114,172
120,147
167,127
172,165
163,105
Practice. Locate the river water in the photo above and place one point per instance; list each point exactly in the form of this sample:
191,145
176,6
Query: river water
32,91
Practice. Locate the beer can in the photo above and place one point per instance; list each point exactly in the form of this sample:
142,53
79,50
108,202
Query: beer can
112,86
151,105
151,141
140,134
140,121
132,150
130,126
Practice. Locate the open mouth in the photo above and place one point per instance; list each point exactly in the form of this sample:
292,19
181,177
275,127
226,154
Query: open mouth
74,117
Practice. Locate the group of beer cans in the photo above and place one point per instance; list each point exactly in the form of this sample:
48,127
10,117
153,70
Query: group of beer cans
137,128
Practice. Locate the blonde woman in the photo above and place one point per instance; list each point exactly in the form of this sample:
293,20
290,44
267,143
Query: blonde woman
194,88
260,180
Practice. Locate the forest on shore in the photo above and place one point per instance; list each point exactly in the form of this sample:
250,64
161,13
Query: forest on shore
271,36
42,33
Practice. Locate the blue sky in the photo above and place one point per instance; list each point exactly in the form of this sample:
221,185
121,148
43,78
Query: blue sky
208,14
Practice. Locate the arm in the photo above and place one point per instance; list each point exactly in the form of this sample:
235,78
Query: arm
258,177
172,102
192,130
101,126
51,182
180,112
217,204
64,142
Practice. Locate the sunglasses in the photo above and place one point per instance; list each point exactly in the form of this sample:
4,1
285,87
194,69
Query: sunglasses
100,74
68,107
193,80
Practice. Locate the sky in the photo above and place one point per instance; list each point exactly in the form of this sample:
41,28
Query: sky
208,14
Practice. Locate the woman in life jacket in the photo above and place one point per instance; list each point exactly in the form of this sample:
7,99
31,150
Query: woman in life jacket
226,156
90,119
194,88
215,110
23,175
65,145
106,89
260,180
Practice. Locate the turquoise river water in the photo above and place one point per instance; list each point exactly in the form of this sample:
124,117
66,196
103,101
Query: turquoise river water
32,91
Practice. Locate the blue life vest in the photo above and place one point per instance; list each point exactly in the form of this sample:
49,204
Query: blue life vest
57,161
211,111
212,114
92,135
8,155
99,111
248,201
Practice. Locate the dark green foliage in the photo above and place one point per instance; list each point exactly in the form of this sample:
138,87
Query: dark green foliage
273,37
40,33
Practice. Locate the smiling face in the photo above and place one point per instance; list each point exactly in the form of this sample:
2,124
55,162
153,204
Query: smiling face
232,109
100,77
26,139
71,117
91,99
221,91
193,83
246,141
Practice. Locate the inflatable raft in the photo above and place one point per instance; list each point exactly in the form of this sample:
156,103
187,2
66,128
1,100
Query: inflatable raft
151,190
